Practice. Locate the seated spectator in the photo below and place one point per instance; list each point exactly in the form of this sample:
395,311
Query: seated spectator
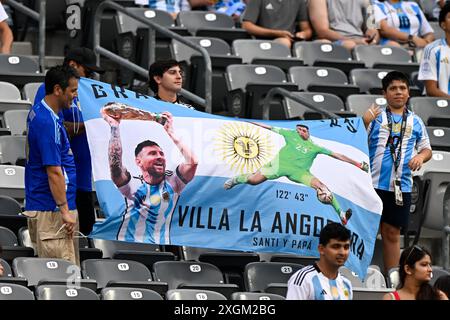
442,285
166,81
233,8
439,4
170,6
435,65
402,23
415,273
6,36
342,22
277,20
322,281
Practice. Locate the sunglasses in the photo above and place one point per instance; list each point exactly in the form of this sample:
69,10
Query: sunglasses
412,250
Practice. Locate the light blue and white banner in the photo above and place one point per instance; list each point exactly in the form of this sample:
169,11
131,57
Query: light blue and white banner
286,183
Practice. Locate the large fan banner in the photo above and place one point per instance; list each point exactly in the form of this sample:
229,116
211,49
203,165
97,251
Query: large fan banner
165,174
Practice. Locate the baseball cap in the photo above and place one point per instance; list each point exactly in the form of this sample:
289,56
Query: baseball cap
85,57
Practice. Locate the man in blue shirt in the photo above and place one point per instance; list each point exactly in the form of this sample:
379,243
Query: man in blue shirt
84,62
50,175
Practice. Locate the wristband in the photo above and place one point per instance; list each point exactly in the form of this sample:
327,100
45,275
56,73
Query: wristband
61,204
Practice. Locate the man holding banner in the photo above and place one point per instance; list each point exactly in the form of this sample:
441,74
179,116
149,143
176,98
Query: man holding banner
151,197
294,161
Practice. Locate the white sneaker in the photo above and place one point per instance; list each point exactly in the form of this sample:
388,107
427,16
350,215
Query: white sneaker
230,183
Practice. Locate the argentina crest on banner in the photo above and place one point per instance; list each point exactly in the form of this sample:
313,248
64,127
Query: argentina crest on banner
165,174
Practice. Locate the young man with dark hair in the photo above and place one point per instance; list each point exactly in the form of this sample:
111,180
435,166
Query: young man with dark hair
50,174
83,61
294,161
435,64
166,81
322,281
398,145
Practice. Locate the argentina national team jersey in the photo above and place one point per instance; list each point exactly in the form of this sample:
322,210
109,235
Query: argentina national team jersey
171,6
149,209
309,283
404,15
435,64
382,165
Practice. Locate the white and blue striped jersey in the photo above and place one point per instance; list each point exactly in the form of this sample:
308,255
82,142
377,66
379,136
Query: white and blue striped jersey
171,6
403,15
415,140
149,209
435,64
309,283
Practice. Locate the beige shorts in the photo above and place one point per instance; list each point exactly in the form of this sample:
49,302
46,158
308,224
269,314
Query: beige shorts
49,243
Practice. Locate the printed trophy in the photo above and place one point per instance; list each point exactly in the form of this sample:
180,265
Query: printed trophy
118,110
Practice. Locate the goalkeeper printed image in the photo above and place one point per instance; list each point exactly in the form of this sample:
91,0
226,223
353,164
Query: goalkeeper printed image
294,161
150,197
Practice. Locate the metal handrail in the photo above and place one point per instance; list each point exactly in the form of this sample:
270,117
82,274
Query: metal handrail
39,17
446,229
285,93
206,102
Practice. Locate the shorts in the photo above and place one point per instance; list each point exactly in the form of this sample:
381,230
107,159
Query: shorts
274,170
49,239
397,216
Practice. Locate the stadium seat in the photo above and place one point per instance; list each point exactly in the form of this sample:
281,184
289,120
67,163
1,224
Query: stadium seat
122,293
352,277
359,103
192,275
291,258
439,138
374,279
12,148
210,24
368,80
438,32
22,48
393,278
324,101
193,294
386,57
260,276
319,79
110,247
437,273
437,181
120,273
267,52
19,70
62,292
10,291
16,121
248,84
8,238
327,55
9,91
255,296
9,206
45,270
220,55
147,258
370,294
12,181
433,111
30,90
7,272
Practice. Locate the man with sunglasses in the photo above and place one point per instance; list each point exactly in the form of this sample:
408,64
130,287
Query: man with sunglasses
83,61
398,145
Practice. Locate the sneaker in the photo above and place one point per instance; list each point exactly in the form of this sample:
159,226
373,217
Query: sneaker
345,216
230,183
